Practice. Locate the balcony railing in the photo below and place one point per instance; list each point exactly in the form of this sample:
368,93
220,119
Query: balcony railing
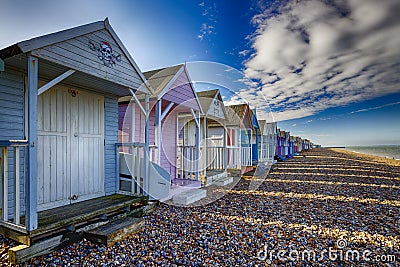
12,181
216,158
187,168
233,157
130,166
246,159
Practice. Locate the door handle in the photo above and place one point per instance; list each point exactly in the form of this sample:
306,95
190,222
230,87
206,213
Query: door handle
76,134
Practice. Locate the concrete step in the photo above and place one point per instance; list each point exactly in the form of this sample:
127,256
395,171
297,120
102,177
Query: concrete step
189,196
115,231
224,181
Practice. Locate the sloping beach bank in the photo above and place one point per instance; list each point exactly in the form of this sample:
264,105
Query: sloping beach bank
323,201
388,161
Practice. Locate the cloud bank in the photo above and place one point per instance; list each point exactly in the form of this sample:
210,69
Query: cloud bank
308,56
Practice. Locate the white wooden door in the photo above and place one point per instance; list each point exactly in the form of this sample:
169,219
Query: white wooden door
53,168
87,146
70,147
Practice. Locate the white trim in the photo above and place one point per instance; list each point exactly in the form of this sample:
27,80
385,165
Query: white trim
60,36
131,60
196,120
194,91
56,80
168,108
170,83
132,106
138,102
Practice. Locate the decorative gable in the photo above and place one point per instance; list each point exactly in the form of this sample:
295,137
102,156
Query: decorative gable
216,108
96,53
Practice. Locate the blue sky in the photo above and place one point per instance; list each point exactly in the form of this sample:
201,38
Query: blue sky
326,70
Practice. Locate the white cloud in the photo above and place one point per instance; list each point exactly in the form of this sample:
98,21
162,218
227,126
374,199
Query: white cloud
313,55
374,108
210,13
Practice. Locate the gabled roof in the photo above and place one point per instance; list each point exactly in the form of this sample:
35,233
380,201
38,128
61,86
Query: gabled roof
254,118
167,81
239,112
262,124
206,98
34,44
162,79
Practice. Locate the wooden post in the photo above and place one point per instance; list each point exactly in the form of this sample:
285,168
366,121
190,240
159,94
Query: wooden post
205,152
31,177
224,151
5,183
146,148
16,186
198,147
117,170
158,129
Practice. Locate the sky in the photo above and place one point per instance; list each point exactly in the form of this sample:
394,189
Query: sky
325,70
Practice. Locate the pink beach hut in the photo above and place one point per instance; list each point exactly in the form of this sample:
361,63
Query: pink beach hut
173,96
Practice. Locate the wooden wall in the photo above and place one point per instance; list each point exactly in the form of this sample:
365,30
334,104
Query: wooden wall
111,137
169,144
12,125
77,54
181,93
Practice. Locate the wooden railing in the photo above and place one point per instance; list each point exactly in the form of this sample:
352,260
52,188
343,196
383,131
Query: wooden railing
12,179
216,158
233,155
187,168
246,159
130,166
263,153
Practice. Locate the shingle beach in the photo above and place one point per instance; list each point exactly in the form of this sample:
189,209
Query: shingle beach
323,201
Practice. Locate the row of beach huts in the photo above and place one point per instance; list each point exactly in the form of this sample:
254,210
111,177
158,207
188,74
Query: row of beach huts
87,139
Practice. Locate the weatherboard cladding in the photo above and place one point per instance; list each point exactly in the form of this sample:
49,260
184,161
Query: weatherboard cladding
169,144
81,53
111,137
12,126
181,93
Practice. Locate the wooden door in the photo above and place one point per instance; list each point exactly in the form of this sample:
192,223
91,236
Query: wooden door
87,146
53,147
70,147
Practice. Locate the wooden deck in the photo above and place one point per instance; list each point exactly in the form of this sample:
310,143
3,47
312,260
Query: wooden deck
82,211
72,217
104,219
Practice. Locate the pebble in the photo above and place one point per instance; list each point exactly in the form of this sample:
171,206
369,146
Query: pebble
233,229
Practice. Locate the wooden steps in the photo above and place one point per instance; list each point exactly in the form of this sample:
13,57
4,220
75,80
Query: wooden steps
224,181
115,231
105,220
213,176
189,196
78,213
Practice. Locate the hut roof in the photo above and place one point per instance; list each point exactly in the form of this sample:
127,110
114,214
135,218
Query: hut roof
159,79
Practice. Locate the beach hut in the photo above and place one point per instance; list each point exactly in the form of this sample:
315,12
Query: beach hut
268,139
286,143
59,131
239,124
213,136
298,145
173,96
263,144
279,145
291,145
255,137
306,144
